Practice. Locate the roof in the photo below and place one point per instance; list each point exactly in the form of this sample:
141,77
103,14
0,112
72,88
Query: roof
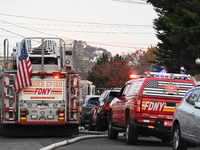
90,96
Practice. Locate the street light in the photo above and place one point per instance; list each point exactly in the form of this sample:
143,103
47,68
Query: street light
197,61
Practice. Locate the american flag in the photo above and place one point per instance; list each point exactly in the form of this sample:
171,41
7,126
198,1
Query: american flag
24,70
152,84
158,88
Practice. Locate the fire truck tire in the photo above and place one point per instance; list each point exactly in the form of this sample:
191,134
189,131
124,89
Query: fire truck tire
112,134
177,141
1,130
131,134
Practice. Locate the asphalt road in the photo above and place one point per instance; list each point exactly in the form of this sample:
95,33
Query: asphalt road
38,143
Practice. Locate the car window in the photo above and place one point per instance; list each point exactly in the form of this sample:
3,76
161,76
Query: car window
194,97
135,86
93,101
106,97
125,89
188,94
111,96
103,95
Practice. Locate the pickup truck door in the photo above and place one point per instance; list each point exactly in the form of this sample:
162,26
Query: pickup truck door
117,109
117,106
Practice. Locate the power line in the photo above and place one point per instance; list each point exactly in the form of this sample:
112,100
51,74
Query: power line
76,31
42,24
12,32
30,29
133,2
59,36
77,22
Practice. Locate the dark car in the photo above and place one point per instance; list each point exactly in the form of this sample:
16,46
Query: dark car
186,121
89,102
99,114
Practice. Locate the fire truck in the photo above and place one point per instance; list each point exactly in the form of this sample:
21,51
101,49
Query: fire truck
50,106
87,88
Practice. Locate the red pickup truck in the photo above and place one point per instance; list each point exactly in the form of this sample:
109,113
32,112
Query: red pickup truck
145,106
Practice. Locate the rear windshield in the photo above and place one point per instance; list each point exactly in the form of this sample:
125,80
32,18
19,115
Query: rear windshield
112,96
166,88
93,101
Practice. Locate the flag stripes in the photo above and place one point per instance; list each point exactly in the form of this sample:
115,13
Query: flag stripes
24,70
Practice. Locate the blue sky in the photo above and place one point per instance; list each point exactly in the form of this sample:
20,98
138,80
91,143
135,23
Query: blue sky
120,26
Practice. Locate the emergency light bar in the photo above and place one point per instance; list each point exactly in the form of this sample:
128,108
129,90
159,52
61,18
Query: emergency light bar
168,75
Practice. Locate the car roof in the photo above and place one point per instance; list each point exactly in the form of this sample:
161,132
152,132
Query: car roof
113,90
90,96
160,79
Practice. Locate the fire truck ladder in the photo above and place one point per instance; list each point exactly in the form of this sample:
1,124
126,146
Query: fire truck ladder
9,101
73,93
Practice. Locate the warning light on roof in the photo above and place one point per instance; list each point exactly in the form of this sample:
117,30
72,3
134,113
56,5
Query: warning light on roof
56,77
133,76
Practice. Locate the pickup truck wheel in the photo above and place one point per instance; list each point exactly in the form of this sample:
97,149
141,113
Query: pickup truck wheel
131,134
112,134
177,142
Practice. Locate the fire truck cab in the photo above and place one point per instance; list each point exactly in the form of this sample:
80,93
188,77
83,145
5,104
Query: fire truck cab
51,105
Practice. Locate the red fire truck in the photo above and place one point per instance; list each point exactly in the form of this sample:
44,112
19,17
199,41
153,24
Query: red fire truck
50,106
145,106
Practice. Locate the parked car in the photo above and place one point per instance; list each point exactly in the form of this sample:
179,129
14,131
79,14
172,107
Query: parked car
89,102
99,114
186,121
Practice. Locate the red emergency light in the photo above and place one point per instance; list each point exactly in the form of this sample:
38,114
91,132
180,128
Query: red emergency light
133,76
56,76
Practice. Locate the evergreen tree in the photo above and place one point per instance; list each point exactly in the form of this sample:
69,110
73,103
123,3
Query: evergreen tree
178,29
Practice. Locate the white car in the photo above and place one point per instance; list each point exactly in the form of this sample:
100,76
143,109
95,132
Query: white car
186,122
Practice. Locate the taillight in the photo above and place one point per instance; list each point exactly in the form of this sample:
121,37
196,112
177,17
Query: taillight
61,114
106,107
23,113
138,105
68,68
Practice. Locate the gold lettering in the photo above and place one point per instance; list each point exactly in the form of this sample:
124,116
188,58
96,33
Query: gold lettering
37,83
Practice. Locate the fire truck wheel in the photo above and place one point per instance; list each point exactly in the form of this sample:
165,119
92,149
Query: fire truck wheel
131,134
112,134
177,142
